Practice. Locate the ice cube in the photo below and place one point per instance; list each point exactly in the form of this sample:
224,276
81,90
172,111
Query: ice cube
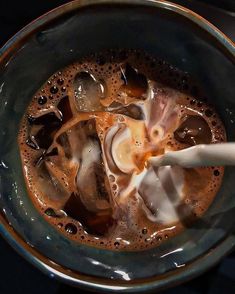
81,147
135,83
87,92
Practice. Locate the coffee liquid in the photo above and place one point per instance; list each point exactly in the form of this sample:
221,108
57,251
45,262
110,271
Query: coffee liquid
85,140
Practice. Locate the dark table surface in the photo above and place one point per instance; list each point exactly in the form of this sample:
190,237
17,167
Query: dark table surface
16,275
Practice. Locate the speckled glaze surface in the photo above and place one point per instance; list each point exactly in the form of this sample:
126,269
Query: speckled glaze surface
62,36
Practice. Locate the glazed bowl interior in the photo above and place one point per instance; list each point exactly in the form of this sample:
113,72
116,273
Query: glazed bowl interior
54,43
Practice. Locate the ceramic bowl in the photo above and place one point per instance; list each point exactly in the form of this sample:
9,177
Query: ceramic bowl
60,37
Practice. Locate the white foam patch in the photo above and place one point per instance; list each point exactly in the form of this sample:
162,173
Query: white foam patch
160,110
161,191
122,150
134,184
90,155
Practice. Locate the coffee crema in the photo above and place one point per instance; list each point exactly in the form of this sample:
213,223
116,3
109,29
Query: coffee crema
85,140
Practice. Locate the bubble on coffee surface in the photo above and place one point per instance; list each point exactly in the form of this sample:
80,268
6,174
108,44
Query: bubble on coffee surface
85,140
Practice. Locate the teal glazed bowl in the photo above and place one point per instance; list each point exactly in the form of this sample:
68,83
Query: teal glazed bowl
62,36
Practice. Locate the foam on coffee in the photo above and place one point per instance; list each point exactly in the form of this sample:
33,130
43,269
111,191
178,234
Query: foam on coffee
85,140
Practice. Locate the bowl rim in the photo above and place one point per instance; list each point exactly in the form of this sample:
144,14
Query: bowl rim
53,270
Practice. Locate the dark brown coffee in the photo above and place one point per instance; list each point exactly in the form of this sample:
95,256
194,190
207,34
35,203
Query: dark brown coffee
85,141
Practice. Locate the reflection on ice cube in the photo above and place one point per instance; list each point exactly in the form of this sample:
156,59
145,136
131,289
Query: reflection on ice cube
88,92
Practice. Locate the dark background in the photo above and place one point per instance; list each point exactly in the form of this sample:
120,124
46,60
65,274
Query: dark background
16,275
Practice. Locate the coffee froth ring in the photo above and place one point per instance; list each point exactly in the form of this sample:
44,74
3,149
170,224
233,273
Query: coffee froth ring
85,140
